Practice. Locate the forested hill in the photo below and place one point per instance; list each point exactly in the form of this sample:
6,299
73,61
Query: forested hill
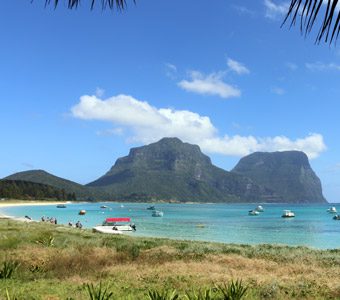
45,178
170,170
25,190
287,173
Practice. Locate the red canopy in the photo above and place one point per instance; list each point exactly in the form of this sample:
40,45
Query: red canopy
117,219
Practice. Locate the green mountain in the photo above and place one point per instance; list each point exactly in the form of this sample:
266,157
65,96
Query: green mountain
26,190
175,171
40,176
287,173
171,170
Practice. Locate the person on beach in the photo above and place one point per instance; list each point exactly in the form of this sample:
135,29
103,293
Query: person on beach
43,219
79,225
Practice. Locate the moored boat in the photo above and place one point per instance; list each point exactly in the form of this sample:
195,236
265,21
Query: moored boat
61,206
259,208
104,206
157,213
253,212
332,210
336,217
82,212
152,207
288,214
115,226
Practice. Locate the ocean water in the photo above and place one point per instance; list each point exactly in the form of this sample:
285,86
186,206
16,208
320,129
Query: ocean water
313,226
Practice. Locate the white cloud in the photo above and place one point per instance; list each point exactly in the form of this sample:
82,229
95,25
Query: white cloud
319,66
170,70
237,67
147,124
274,10
211,84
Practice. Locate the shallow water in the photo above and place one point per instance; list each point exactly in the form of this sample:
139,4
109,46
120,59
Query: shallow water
227,223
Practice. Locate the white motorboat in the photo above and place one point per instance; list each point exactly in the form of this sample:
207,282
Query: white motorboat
115,226
332,210
157,213
253,212
288,214
259,208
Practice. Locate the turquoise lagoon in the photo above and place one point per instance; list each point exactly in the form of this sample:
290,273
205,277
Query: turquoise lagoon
313,226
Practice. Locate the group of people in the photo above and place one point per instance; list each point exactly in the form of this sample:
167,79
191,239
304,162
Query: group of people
78,224
54,221
50,220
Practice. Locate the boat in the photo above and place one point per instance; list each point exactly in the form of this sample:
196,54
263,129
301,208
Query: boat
332,210
104,206
259,208
82,212
336,217
157,213
253,212
151,207
115,226
61,206
288,214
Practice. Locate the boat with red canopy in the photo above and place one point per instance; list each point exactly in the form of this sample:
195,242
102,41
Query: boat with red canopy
115,226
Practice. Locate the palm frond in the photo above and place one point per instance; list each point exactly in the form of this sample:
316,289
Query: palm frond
105,4
308,11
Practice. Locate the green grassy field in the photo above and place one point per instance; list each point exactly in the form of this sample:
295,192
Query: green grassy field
56,262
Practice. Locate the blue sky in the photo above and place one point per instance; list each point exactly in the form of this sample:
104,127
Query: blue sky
79,88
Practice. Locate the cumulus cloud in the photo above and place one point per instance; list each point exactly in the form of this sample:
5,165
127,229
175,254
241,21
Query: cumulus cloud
147,123
237,67
274,10
319,66
211,84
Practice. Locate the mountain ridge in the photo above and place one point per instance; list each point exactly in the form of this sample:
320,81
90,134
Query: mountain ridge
171,170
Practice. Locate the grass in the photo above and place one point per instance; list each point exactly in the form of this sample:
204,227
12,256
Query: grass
56,262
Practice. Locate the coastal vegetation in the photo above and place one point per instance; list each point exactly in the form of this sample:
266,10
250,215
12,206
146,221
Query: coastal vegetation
47,261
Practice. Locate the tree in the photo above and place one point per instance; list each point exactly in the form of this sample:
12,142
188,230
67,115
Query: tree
306,13
303,11
111,4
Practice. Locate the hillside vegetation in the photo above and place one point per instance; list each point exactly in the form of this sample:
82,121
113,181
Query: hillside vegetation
26,190
170,170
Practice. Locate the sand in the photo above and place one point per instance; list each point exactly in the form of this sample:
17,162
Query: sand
4,204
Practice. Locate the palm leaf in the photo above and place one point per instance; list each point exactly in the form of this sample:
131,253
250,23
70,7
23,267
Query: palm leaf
307,12
110,4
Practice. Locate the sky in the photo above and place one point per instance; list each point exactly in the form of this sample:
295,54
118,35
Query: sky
79,88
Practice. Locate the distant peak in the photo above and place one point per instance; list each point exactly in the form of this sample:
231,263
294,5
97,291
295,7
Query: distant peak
170,139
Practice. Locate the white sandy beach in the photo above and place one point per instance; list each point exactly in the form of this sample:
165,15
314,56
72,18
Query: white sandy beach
4,204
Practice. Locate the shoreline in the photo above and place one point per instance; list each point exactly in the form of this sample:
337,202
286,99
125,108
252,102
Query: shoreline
16,203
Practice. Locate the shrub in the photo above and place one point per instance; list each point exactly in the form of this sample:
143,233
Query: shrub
98,292
201,295
163,295
47,241
233,291
8,268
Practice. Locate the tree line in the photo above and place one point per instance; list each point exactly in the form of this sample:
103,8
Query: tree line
26,190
